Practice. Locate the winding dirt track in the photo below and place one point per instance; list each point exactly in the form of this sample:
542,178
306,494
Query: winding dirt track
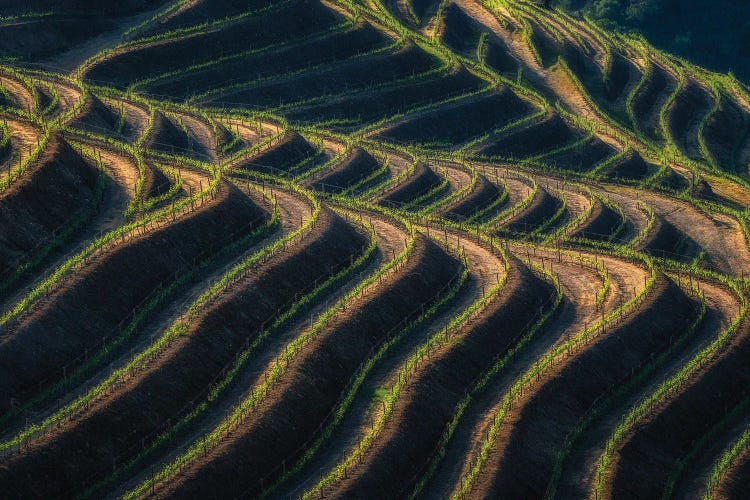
626,279
716,234
578,473
24,137
579,286
720,236
485,269
110,215
20,93
390,242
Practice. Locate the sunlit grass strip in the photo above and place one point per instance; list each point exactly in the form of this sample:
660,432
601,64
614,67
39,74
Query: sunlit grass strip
605,123
26,83
660,395
439,20
726,461
576,144
262,118
272,374
444,338
4,137
234,141
488,376
177,329
538,368
217,389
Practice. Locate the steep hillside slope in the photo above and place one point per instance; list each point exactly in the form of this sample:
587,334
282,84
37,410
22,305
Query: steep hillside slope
342,248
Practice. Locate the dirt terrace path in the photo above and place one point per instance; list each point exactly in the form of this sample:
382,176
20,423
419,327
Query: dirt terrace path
579,473
637,219
577,204
457,178
69,95
137,117
202,132
391,241
580,286
625,278
122,174
23,96
518,189
485,269
23,138
250,133
292,209
720,236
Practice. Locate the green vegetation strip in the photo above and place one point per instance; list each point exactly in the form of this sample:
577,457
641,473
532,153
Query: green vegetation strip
99,244
548,361
272,374
666,389
217,389
442,339
177,329
359,378
486,378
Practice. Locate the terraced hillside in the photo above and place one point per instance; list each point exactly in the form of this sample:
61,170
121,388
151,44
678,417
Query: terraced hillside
341,248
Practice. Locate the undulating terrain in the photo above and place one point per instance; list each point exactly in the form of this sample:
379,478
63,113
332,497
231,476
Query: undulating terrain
367,249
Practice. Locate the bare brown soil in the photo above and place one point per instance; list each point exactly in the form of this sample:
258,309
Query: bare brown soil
521,464
194,360
323,368
85,308
34,210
